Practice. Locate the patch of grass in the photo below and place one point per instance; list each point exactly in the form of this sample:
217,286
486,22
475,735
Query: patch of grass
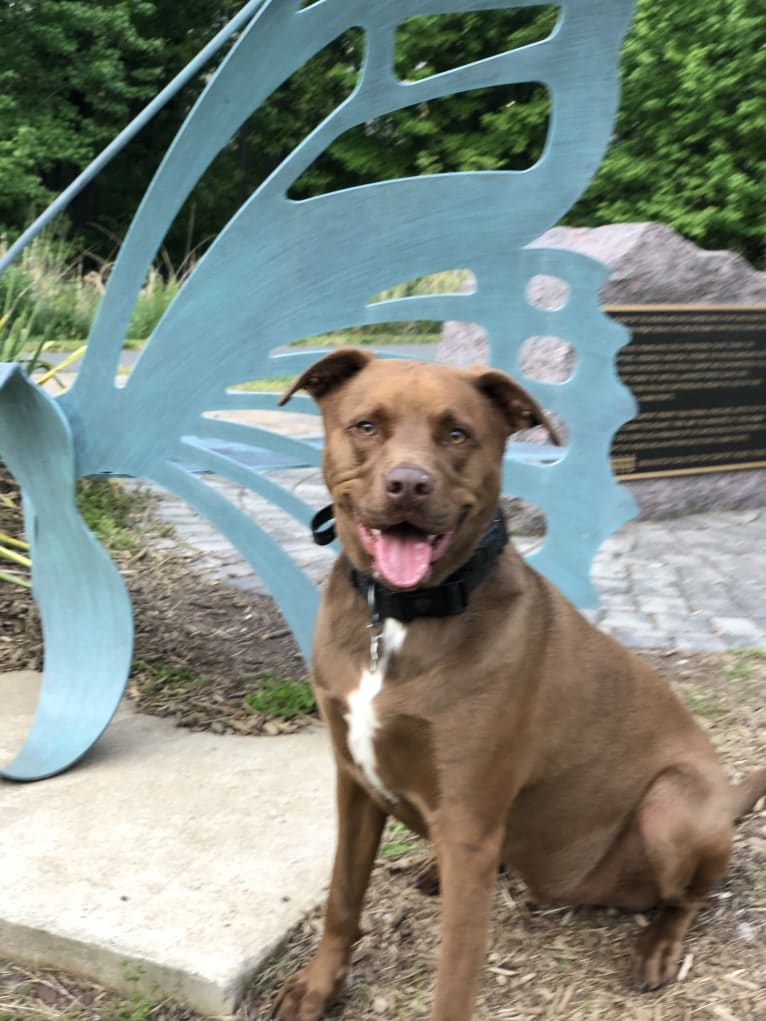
55,996
397,839
274,385
64,346
701,704
416,331
743,665
414,1002
136,1006
349,338
281,698
362,336
117,516
171,678
49,297
155,296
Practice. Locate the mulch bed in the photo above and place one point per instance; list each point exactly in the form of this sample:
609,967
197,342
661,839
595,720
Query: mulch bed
215,642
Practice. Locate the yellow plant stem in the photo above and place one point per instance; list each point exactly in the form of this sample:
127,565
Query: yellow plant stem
15,558
8,540
14,580
61,365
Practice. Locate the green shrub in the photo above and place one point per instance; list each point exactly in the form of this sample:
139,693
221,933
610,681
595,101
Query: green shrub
171,678
688,147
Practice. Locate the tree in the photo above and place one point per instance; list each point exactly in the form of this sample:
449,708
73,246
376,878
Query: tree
690,140
70,71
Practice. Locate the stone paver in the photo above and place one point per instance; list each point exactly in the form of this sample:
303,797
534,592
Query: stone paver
697,582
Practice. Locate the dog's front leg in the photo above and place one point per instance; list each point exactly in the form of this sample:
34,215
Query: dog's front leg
469,858
309,991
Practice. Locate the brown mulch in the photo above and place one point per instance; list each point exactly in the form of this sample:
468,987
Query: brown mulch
229,641
543,964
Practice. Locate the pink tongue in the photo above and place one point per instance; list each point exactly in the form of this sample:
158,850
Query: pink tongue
402,557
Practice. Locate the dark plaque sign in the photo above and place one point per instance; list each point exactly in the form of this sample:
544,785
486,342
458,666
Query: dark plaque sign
698,373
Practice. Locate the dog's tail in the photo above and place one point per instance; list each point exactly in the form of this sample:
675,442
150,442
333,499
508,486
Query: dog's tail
747,792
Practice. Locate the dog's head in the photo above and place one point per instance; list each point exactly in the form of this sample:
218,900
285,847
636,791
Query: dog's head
412,458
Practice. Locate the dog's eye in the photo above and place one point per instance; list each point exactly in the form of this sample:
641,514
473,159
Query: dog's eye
365,428
457,436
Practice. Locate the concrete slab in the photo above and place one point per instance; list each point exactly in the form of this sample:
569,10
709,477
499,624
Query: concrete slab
186,856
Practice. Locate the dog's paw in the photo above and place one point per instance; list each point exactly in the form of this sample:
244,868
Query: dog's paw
659,953
306,995
295,1001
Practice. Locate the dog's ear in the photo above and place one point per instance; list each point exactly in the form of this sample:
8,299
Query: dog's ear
520,409
329,372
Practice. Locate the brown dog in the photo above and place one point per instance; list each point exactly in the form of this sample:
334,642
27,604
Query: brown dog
490,716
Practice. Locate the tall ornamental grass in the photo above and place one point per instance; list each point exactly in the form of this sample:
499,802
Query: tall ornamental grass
49,297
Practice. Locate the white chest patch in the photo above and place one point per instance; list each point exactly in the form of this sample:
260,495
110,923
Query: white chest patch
361,718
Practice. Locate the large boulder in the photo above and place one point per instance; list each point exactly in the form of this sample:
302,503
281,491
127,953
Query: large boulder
653,265
650,264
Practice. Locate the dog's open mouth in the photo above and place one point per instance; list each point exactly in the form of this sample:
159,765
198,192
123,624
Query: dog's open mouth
402,555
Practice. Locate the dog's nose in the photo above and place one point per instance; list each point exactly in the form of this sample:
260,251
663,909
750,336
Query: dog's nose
408,484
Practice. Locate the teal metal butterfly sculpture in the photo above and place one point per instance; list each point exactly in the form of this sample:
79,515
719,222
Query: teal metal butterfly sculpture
282,270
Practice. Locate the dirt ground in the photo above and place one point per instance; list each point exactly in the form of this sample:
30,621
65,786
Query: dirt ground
564,964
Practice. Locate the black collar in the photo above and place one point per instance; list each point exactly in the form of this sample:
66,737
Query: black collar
445,600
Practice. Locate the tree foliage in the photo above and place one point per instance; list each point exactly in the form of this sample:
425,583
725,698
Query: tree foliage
71,72
690,140
689,146
486,129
